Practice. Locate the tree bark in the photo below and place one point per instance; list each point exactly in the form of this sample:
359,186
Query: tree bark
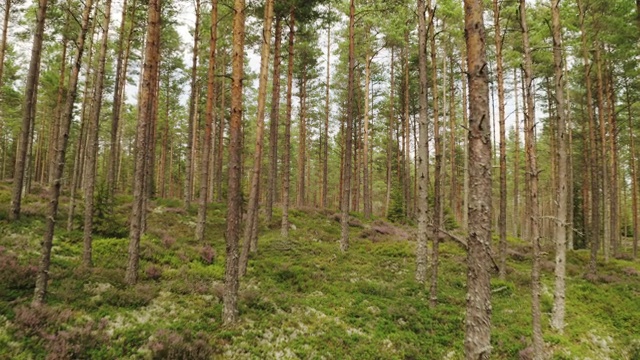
538,342
365,151
189,167
614,202
92,141
207,144
234,202
273,122
302,140
148,85
390,133
286,162
634,178
346,192
437,216
250,235
477,342
593,231
42,276
560,233
517,219
502,216
423,150
327,110
118,95
28,112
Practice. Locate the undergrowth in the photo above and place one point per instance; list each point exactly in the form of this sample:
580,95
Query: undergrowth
301,297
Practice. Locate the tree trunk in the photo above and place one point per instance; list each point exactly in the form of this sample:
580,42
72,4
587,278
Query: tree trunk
346,192
538,342
221,126
250,235
423,151
122,62
234,202
390,134
634,178
517,219
404,158
560,233
28,111
327,110
207,144
613,162
193,110
437,189
593,231
502,217
151,59
92,141
42,276
273,122
3,42
477,341
302,140
603,169
286,162
365,151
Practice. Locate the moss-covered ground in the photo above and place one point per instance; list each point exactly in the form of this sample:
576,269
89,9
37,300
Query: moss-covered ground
301,299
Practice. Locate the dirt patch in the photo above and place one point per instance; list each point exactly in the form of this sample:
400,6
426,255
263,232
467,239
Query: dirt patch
379,230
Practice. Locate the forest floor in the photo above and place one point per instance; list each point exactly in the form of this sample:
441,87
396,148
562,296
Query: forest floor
301,299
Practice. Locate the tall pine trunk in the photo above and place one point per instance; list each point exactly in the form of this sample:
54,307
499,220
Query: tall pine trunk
28,112
423,149
560,229
147,95
477,342
327,110
286,162
234,201
502,215
208,136
251,224
42,276
534,220
273,123
346,191
437,188
92,141
193,110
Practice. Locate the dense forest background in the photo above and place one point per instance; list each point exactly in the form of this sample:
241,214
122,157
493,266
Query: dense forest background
502,128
